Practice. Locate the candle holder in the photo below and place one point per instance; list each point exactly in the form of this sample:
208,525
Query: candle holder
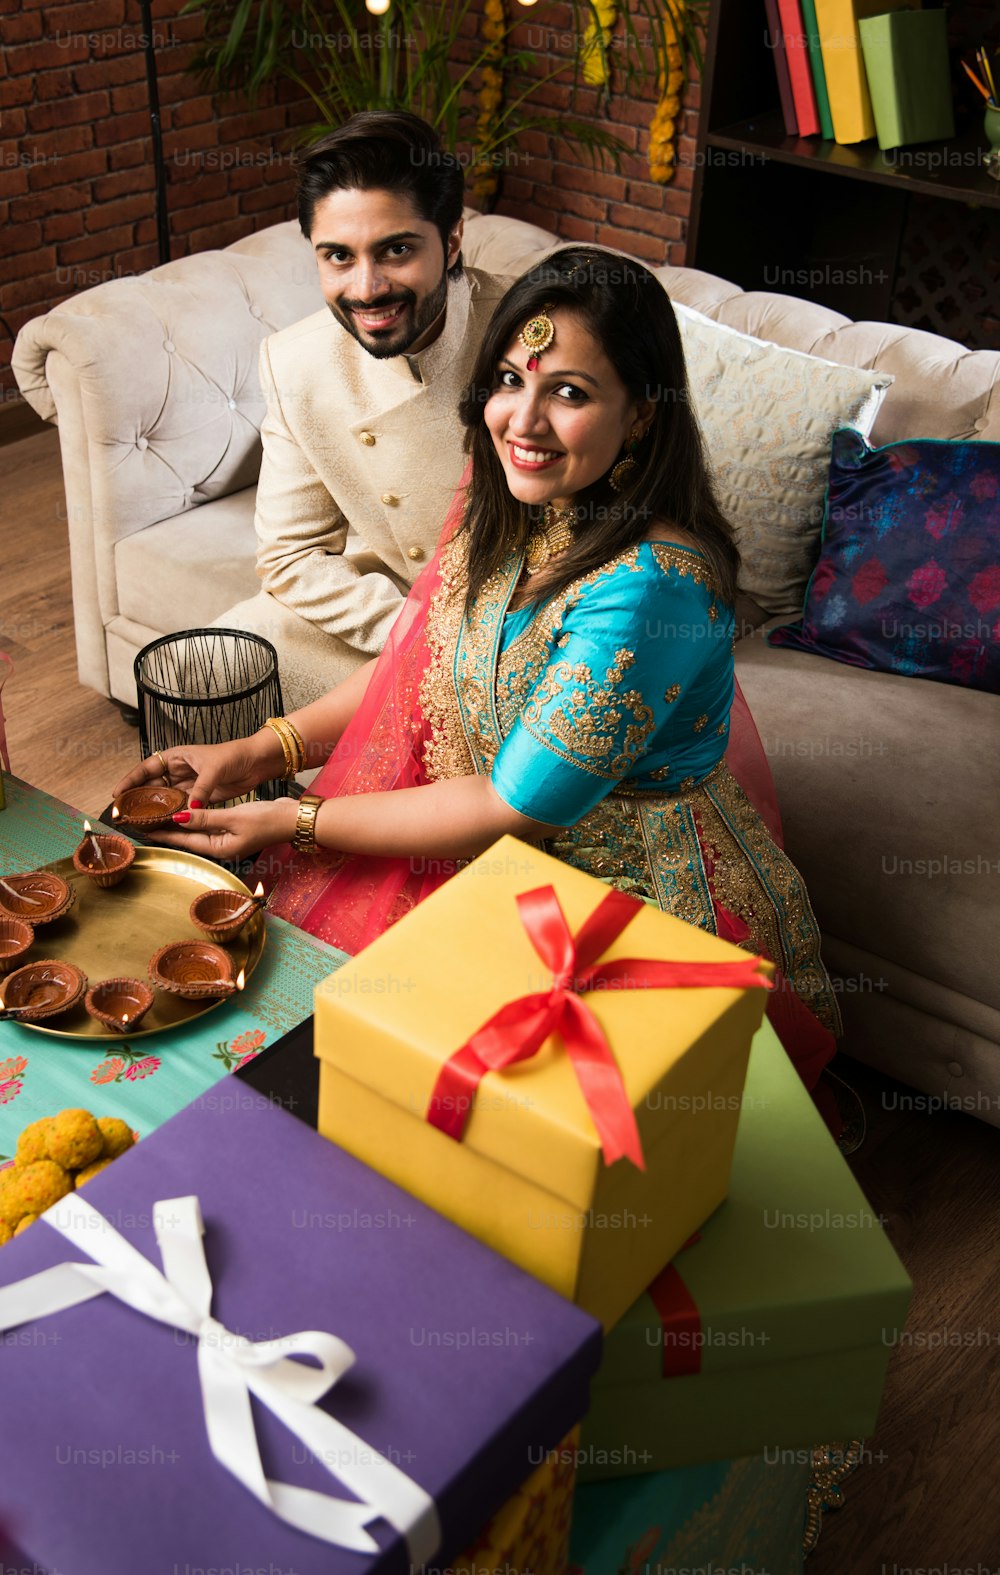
194,970
104,857
120,1004
38,897
148,808
16,935
222,914
43,989
207,686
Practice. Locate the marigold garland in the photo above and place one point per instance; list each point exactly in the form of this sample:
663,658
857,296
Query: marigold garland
593,54
663,127
494,31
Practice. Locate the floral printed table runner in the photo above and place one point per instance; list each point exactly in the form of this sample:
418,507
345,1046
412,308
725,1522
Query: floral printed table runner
146,1080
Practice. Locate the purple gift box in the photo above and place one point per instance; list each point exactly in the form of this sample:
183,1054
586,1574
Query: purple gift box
465,1366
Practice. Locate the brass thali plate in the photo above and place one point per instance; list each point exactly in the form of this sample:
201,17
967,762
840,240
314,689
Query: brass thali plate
113,933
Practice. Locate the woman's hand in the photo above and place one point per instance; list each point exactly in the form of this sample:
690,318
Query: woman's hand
232,833
211,773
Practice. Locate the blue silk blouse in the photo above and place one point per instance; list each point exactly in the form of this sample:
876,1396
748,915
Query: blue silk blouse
632,690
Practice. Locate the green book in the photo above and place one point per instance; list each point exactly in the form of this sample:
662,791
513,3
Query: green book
906,59
816,66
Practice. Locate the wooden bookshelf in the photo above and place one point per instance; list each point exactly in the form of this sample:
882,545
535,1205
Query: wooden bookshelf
802,215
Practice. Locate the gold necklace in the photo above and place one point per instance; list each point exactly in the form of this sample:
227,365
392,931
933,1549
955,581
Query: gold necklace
555,536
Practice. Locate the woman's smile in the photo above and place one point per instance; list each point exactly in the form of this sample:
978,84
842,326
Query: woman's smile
524,457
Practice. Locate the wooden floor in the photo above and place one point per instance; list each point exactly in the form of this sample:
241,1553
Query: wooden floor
61,736
926,1496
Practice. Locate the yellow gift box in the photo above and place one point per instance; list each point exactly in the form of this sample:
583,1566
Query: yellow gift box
528,1176
530,1533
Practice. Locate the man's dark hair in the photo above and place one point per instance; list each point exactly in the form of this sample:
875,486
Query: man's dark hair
385,150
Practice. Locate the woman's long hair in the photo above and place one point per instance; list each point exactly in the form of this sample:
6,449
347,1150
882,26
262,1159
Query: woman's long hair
629,313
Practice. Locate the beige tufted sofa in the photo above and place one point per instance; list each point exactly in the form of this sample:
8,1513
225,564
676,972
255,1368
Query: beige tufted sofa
881,778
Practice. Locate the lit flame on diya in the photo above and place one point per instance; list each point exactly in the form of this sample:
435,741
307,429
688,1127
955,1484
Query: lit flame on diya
95,845
115,812
241,979
259,892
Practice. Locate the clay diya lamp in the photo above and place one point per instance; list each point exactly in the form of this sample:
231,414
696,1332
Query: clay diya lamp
194,970
120,1004
105,858
148,808
38,897
43,989
221,914
16,935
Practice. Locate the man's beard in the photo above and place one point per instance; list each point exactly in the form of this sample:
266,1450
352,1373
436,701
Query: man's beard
394,341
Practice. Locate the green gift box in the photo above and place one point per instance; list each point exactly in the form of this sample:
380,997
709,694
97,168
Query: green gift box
775,1325
906,61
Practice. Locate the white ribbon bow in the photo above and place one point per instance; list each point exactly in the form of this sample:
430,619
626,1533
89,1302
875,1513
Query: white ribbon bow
232,1368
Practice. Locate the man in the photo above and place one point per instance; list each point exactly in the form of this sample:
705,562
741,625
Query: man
362,444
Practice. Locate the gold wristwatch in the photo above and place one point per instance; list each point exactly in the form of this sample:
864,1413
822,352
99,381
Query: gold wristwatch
304,840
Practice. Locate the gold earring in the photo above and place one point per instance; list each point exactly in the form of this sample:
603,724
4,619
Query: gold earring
623,473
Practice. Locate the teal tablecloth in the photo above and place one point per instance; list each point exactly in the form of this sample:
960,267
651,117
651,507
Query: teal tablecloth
150,1079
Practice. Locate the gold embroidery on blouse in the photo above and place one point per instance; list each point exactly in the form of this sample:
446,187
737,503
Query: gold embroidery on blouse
521,665
687,562
721,729
701,724
589,719
713,612
672,694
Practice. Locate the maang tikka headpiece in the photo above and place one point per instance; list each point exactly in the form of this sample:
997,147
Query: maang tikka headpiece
536,336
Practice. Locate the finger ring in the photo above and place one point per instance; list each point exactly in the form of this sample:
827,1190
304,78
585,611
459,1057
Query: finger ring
163,763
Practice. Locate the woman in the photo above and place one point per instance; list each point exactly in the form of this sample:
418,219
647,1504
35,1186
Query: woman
562,671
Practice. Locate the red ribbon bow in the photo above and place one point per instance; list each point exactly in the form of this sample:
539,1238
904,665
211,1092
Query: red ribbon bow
520,1028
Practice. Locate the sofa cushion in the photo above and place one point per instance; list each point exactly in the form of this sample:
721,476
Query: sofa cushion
185,571
768,415
886,794
908,579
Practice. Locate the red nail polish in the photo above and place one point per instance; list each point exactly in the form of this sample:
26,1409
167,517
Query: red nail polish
196,803
182,817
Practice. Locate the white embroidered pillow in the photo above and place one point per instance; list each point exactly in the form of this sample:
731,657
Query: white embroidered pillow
768,416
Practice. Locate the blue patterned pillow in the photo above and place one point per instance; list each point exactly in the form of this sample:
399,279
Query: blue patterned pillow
908,579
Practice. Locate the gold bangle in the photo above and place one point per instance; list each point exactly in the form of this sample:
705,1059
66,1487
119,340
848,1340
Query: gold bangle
296,738
304,840
277,728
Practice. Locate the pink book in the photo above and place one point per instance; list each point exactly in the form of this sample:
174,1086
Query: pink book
797,54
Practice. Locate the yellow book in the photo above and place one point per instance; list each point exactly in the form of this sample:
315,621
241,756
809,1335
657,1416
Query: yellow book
528,1176
844,62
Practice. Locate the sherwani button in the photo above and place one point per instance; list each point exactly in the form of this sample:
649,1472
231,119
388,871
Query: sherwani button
368,439
389,499
416,553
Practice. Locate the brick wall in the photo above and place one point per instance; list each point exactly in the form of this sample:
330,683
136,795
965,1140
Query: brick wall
557,186
77,204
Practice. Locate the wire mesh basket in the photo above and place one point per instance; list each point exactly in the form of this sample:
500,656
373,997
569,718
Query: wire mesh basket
207,686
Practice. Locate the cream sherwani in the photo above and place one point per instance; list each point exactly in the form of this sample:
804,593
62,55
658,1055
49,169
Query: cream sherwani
361,461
